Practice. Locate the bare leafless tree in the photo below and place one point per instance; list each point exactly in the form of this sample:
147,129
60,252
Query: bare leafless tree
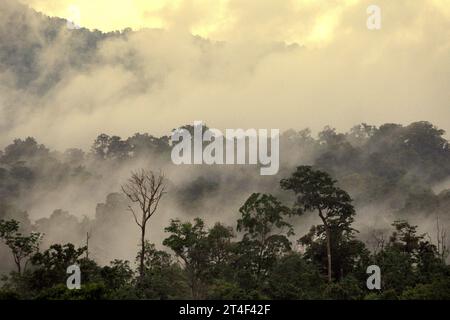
378,240
144,189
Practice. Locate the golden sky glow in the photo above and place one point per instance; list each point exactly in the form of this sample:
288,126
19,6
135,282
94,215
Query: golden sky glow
291,20
288,20
340,75
301,21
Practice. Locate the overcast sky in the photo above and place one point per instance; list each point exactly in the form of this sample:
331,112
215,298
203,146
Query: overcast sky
339,74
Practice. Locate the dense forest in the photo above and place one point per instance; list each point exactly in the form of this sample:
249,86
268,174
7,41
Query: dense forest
306,233
140,227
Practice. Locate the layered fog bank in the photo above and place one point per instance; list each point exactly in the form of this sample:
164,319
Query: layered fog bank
392,172
64,88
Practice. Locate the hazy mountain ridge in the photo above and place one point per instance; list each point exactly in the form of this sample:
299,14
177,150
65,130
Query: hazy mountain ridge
26,35
40,58
60,88
389,171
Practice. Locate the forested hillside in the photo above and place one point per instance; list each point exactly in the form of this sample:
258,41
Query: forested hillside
342,200
402,171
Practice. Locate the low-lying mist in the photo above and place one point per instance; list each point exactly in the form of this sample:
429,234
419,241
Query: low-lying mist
65,87
68,194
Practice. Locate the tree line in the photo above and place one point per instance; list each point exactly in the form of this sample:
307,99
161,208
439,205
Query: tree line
258,258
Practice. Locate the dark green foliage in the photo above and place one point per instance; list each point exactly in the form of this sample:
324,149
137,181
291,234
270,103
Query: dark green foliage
261,265
439,289
115,149
163,279
409,259
265,235
293,278
21,246
350,256
118,274
49,266
316,191
349,288
394,163
90,291
189,242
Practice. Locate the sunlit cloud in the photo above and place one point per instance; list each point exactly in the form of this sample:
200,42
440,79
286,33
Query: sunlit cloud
291,20
339,74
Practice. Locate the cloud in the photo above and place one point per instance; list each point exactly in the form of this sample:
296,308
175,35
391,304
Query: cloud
258,64
339,73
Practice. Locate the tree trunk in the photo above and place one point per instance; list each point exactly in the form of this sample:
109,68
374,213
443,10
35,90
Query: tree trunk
328,252
142,256
19,267
328,235
193,281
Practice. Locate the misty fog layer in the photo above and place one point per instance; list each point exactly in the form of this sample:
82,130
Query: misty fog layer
65,87
392,172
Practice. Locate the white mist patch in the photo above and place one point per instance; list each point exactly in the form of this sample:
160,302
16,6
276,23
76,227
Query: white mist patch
442,186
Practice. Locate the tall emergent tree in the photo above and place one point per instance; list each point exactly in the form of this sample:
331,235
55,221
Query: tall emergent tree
265,232
22,247
189,241
316,191
145,189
